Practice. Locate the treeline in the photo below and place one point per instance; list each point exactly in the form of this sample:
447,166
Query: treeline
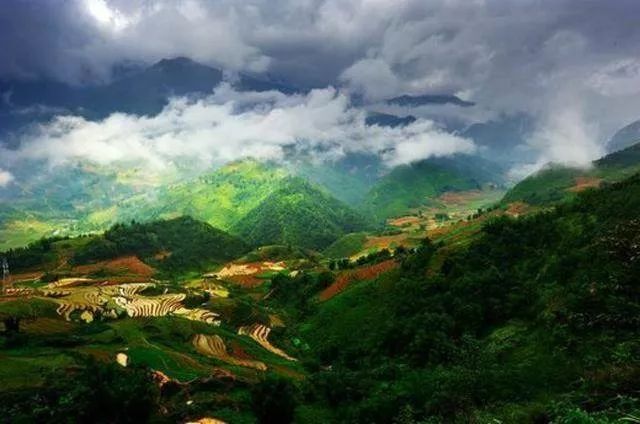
536,321
35,254
177,243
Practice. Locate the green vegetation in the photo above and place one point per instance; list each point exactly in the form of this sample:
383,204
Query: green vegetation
499,319
410,186
184,243
298,214
346,246
535,321
556,183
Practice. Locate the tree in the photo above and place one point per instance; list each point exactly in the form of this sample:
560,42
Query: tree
274,400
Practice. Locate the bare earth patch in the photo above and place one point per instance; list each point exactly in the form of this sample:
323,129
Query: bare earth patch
122,265
353,275
583,183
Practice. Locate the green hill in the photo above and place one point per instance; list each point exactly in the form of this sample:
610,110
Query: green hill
346,245
556,182
410,186
183,242
298,214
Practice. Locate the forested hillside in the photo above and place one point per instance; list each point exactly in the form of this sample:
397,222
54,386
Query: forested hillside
299,214
535,321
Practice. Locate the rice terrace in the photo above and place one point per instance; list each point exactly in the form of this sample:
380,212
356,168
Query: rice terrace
317,212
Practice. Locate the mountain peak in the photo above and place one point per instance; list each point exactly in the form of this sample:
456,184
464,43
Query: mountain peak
425,99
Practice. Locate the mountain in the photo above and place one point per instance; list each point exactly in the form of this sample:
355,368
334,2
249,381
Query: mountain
624,137
81,199
409,186
140,91
298,214
501,139
388,120
348,179
556,182
429,99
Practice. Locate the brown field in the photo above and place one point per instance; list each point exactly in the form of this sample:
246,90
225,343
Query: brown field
459,197
583,183
347,277
404,221
246,274
516,209
122,265
386,242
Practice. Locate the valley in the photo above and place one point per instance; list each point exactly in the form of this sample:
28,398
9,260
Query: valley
201,317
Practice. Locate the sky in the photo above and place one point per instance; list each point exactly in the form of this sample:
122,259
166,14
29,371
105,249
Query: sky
572,66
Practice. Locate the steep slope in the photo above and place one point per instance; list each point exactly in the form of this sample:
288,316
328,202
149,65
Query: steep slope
78,200
298,214
556,182
534,310
347,179
410,186
219,198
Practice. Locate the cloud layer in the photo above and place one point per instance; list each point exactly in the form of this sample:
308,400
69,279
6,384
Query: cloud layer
230,125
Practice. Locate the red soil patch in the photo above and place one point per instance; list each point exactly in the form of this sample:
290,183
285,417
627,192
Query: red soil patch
347,277
583,183
404,221
248,281
385,242
122,265
238,351
517,208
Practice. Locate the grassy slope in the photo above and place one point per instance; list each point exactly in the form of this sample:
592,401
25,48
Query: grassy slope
78,201
220,198
298,214
553,183
346,246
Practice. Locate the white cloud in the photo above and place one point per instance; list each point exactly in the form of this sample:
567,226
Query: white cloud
230,125
5,177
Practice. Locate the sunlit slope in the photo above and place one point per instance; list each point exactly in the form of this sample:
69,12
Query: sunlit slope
299,214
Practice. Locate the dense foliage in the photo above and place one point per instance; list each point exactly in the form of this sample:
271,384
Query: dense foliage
183,243
299,214
536,320
410,186
93,393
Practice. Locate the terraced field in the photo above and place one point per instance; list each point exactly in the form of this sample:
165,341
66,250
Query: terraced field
215,347
260,334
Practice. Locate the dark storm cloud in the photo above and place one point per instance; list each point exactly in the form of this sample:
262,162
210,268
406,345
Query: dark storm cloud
572,65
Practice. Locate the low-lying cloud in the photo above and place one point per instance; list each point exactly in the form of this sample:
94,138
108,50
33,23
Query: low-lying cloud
230,125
